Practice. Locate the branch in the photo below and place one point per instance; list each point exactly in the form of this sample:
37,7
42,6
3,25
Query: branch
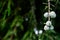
48,9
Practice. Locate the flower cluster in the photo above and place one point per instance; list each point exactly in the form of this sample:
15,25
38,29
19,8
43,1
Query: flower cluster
52,14
38,32
48,24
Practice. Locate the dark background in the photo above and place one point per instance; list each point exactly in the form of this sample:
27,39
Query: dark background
25,7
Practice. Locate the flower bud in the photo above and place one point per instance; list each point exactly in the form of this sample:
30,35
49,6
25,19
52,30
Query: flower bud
36,31
52,14
46,14
52,27
26,19
48,23
40,31
46,27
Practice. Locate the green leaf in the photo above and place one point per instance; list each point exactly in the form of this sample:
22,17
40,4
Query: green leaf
25,35
8,34
3,24
14,22
9,8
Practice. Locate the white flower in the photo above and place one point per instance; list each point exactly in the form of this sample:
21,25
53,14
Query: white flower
46,14
36,31
46,27
40,31
26,19
52,14
48,23
52,27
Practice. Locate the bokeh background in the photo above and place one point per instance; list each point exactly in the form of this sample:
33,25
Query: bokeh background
18,18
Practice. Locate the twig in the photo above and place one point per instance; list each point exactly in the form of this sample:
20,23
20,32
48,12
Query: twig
48,9
50,4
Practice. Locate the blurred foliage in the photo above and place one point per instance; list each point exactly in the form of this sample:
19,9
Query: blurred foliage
18,18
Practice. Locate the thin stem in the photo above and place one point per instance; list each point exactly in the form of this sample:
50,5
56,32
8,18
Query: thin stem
11,38
12,34
48,9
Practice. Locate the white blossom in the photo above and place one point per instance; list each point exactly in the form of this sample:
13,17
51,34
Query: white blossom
48,23
52,14
26,19
40,31
46,27
36,31
46,15
51,27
